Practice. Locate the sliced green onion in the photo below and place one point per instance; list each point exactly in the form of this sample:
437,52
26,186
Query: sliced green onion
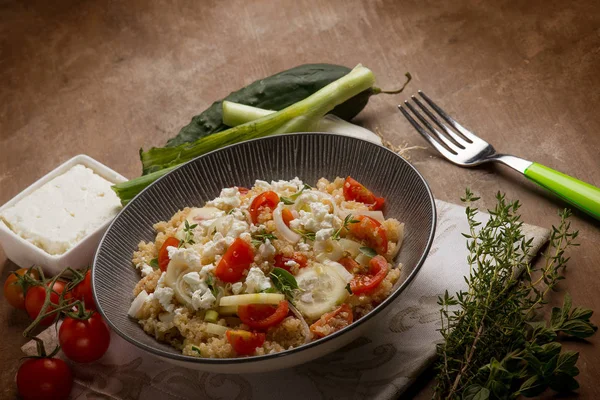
211,316
253,298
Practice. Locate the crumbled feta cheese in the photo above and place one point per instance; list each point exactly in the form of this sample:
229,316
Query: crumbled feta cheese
266,249
194,281
229,198
317,218
188,256
262,184
202,300
303,246
324,234
291,264
256,281
164,295
207,270
246,237
236,288
217,246
281,186
237,228
145,269
257,228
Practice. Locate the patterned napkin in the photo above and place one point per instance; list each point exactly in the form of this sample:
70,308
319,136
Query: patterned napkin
378,366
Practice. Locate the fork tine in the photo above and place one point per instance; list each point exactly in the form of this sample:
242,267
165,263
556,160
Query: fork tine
465,132
461,141
445,152
439,136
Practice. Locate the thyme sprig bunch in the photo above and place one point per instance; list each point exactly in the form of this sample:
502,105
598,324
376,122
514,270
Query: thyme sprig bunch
495,345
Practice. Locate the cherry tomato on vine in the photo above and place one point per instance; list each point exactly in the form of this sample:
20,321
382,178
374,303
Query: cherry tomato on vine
13,288
84,341
44,378
36,295
83,291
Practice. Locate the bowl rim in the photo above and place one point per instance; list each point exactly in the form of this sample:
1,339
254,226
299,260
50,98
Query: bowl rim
289,352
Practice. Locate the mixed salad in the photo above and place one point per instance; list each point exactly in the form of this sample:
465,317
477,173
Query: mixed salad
265,269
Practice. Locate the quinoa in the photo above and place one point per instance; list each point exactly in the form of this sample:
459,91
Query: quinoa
175,318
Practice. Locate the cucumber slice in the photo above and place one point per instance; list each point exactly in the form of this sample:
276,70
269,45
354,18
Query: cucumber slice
254,298
321,290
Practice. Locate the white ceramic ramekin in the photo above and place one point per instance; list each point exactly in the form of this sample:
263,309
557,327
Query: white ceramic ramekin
26,254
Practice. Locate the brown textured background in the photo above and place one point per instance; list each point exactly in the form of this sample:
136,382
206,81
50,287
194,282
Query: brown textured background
105,78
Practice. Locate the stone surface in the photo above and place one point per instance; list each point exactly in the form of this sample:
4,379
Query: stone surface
106,78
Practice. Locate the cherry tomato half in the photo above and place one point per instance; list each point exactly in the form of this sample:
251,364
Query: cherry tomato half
235,261
243,190
44,378
84,341
13,289
371,231
287,217
163,254
243,342
83,291
333,321
353,190
264,200
36,295
364,283
281,260
262,316
350,264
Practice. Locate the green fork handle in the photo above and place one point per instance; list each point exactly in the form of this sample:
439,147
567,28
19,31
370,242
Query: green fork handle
582,195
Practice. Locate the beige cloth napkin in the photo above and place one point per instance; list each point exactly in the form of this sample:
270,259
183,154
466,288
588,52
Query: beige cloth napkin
380,365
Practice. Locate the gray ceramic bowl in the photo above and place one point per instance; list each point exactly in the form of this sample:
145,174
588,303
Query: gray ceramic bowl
309,156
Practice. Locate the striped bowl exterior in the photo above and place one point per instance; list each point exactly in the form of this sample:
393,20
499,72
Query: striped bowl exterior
308,156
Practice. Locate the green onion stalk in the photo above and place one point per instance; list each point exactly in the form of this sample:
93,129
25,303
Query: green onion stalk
299,117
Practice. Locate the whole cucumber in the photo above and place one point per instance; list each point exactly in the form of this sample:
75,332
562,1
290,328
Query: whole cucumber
275,92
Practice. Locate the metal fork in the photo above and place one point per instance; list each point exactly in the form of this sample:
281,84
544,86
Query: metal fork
464,148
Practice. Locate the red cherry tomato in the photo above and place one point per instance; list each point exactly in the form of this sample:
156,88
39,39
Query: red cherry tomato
350,264
371,231
243,190
13,289
44,378
243,342
353,190
364,283
333,321
235,261
264,200
281,260
287,217
262,316
163,254
36,295
83,291
84,341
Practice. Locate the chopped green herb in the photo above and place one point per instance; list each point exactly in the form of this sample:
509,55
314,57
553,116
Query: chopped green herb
286,200
306,235
197,350
292,199
347,221
284,282
231,211
210,282
189,234
154,263
348,288
259,238
269,290
367,251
